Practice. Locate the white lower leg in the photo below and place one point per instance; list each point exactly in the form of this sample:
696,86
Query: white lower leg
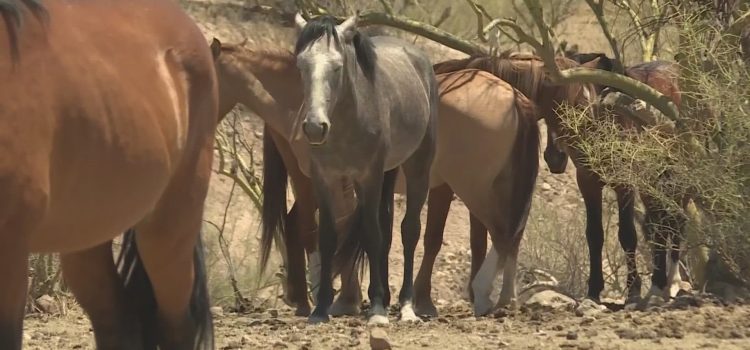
482,283
673,278
508,293
314,274
408,314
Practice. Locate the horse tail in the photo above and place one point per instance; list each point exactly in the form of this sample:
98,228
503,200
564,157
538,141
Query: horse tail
351,251
525,156
139,291
274,198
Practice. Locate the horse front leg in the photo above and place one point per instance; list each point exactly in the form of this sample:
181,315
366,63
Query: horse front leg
369,194
591,190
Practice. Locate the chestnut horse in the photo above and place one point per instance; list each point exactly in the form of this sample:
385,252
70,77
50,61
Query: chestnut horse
108,116
524,73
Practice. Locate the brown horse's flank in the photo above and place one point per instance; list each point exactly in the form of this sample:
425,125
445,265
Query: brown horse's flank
101,138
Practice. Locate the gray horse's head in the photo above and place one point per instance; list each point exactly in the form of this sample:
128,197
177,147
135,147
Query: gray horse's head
326,52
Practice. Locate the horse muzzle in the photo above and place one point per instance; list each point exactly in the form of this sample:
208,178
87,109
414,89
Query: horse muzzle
316,131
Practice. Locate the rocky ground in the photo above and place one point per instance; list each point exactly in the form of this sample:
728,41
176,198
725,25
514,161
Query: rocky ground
546,321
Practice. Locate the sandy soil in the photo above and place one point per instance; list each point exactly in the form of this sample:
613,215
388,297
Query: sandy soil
707,326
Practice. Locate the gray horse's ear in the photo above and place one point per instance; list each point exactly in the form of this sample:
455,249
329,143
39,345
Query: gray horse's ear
348,28
299,21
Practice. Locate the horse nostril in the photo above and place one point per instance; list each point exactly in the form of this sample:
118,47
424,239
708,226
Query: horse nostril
316,132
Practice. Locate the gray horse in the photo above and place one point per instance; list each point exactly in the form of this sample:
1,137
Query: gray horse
370,107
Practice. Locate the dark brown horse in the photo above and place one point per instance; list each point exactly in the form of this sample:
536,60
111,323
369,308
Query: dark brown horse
108,113
661,226
525,73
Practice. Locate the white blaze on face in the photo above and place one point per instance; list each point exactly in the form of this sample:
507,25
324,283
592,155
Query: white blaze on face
322,63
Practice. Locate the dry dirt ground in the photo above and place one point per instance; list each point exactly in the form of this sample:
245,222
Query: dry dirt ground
273,327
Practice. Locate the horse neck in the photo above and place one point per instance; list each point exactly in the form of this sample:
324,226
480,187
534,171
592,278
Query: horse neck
271,87
353,94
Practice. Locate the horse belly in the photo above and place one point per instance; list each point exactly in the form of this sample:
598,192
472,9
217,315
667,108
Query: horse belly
104,178
474,144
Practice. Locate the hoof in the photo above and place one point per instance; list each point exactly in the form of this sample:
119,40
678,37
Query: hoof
302,311
344,308
317,319
318,316
376,320
427,309
482,307
408,315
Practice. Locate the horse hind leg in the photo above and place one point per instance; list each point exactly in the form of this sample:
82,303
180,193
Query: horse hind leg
13,273
478,238
628,239
482,283
509,292
17,220
92,276
438,204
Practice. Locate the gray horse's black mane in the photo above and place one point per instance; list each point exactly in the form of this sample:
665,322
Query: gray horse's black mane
11,12
364,49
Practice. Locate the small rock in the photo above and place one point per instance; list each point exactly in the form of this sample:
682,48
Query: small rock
246,339
47,304
571,335
273,313
549,299
546,186
379,339
217,311
233,345
279,345
626,333
588,307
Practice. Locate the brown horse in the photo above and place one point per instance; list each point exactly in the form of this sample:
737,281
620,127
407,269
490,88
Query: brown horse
525,74
108,118
267,82
661,226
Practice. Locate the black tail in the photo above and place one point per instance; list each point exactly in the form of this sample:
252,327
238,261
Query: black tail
140,293
11,12
351,251
274,198
525,167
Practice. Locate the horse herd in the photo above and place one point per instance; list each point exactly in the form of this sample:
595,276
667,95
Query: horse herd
109,111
